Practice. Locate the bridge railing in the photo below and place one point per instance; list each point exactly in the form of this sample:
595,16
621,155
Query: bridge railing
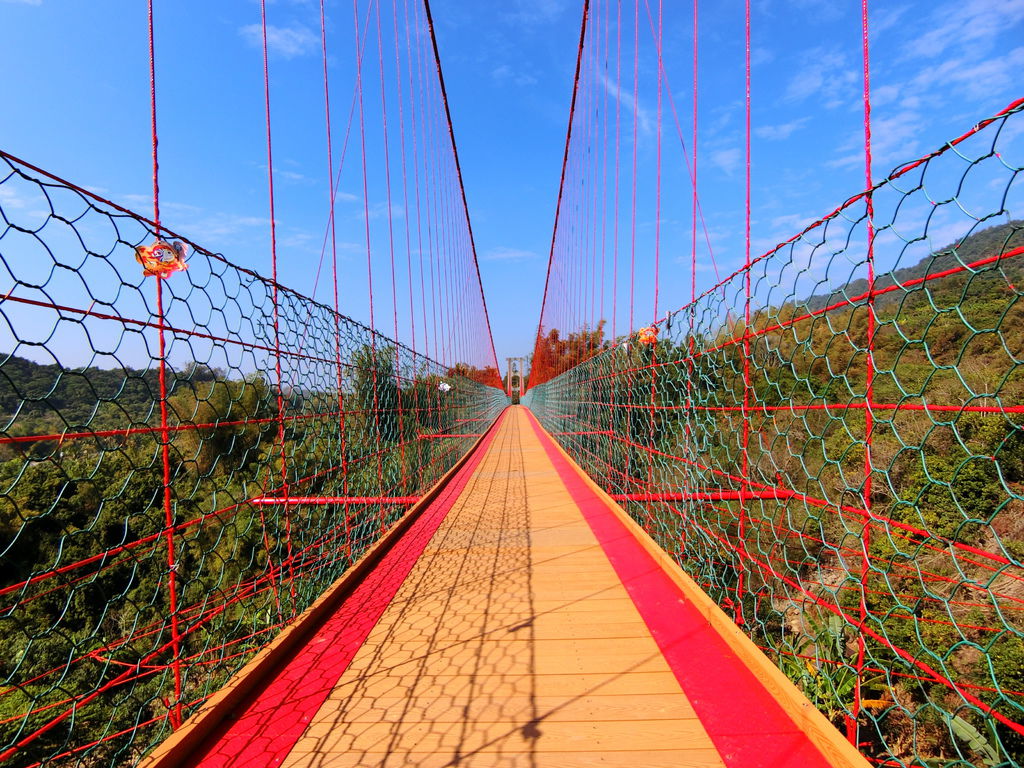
831,442
186,463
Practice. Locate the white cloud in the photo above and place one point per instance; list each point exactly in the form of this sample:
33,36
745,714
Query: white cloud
296,40
533,11
996,74
379,210
166,206
789,224
973,24
780,132
820,10
503,253
885,19
292,175
894,139
727,160
505,73
209,226
299,241
200,225
825,75
885,94
643,116
9,198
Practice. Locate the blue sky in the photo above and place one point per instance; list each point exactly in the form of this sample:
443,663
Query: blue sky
74,97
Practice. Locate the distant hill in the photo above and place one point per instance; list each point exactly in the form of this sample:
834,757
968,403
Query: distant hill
979,245
38,394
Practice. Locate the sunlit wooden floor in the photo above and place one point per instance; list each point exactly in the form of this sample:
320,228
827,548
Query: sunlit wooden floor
511,643
519,618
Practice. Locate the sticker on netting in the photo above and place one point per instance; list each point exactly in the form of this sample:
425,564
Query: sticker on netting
647,335
162,258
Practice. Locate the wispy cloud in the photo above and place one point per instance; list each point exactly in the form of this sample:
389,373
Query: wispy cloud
503,253
198,224
820,10
9,198
299,241
290,42
894,139
533,11
997,73
780,132
826,76
625,98
379,210
206,226
141,203
884,19
293,176
789,224
727,160
505,74
973,24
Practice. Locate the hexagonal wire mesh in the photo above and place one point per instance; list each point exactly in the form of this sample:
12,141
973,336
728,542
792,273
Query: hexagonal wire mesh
838,461
127,595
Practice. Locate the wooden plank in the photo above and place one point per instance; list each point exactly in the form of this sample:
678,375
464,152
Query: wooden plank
430,687
410,739
447,656
448,708
690,758
510,642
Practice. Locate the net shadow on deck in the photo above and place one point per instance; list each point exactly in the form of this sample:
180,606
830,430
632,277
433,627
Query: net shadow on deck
517,619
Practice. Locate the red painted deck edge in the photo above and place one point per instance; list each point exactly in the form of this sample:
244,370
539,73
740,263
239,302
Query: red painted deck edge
278,713
745,723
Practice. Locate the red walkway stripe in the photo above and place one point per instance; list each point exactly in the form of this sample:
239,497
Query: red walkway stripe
746,724
278,713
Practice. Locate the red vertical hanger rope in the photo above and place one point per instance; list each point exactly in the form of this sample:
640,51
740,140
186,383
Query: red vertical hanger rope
744,473
414,88
458,173
405,177
852,724
636,142
561,189
331,190
691,343
618,168
397,405
175,711
603,213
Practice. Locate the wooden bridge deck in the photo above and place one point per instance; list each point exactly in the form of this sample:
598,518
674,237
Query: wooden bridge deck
520,620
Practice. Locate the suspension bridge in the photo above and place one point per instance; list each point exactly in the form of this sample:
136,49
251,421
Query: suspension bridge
773,517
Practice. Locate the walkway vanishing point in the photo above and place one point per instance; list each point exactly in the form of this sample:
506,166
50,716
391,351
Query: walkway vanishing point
516,617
